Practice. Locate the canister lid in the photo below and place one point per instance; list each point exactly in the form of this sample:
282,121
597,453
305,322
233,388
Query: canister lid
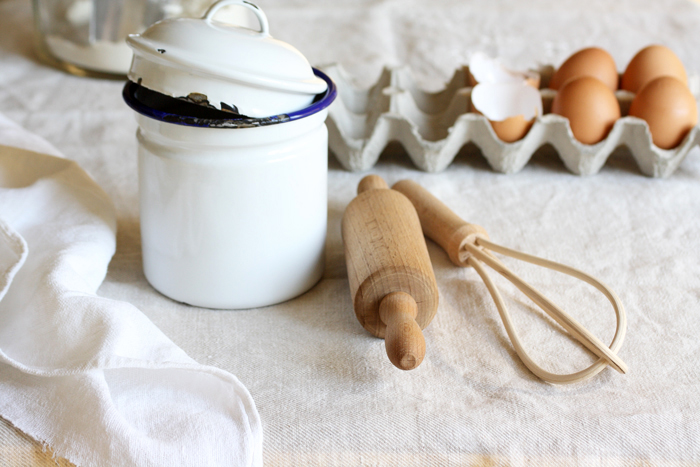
235,68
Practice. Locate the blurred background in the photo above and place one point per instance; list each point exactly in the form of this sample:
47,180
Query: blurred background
86,37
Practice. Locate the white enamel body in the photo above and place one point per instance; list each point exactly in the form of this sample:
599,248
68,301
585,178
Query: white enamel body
233,218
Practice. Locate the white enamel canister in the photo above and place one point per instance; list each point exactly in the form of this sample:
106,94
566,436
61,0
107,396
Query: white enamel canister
233,212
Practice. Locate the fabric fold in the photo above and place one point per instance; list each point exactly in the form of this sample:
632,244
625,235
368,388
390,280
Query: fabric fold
92,377
13,253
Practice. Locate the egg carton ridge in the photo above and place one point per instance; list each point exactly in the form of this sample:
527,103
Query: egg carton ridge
433,127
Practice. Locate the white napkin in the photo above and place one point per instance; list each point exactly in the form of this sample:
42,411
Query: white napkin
93,378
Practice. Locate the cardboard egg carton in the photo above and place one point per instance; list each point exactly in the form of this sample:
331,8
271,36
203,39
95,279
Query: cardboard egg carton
432,127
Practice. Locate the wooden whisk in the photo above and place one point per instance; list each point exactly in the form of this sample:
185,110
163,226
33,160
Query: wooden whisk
469,245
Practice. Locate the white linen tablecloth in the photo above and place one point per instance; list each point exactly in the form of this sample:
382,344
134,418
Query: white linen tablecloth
325,390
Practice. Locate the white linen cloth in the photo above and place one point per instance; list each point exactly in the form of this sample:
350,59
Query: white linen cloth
326,392
93,377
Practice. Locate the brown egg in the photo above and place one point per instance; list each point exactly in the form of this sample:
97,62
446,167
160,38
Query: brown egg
510,108
590,106
592,61
668,106
512,129
650,63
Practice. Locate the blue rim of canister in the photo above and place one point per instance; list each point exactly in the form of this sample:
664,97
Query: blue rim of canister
321,102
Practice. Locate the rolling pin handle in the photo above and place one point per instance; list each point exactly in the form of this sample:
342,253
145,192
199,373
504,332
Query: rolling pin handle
405,344
371,182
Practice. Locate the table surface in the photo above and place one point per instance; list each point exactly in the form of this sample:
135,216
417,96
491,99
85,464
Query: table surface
326,392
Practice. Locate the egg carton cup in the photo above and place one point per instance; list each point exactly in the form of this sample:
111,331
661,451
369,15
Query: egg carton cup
433,127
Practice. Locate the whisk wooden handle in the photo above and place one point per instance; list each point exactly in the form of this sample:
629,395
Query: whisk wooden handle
440,223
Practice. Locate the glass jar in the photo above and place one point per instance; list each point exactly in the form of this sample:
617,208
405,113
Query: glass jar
86,37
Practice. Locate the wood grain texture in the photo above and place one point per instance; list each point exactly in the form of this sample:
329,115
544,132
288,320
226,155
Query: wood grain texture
440,223
385,252
405,344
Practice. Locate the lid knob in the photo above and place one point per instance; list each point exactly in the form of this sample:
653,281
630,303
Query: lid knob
264,27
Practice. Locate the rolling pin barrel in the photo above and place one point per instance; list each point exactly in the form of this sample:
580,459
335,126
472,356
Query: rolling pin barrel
392,285
440,223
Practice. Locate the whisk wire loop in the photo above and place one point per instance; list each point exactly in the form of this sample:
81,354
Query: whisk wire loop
468,244
477,254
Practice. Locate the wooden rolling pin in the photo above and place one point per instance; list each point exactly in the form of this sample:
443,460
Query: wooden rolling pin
393,287
468,245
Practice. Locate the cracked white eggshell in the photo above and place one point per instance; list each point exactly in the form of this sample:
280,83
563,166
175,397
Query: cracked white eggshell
484,69
499,101
362,122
